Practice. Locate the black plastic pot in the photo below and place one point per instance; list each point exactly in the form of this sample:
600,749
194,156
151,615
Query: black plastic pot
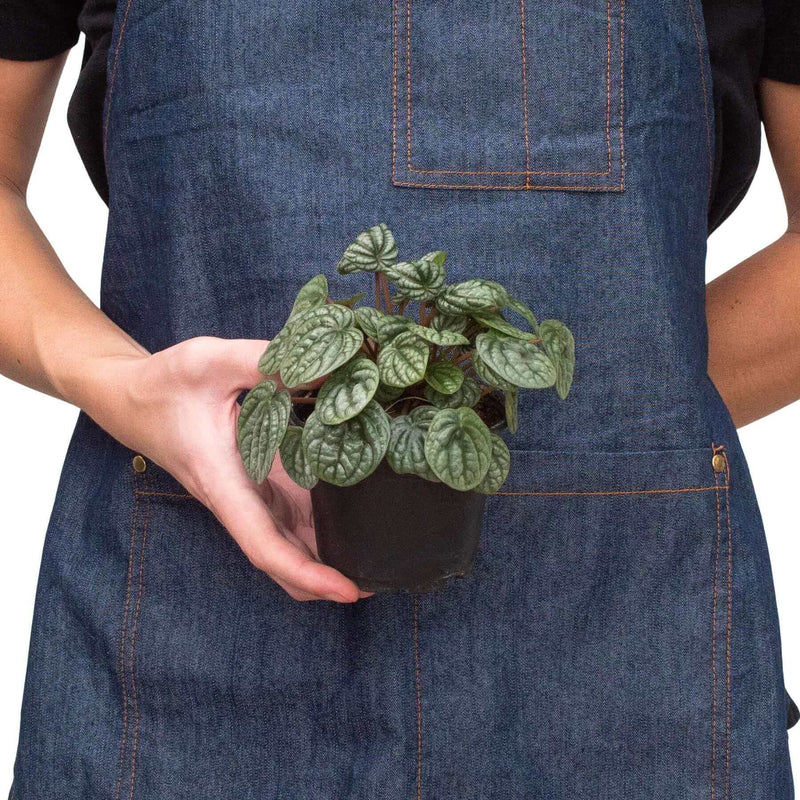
395,532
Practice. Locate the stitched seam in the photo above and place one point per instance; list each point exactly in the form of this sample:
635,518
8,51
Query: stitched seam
113,77
622,95
418,687
123,638
699,42
714,650
143,493
525,97
134,691
585,188
527,172
728,638
614,494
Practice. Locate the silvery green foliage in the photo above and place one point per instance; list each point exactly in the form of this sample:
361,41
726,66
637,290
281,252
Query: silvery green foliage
405,378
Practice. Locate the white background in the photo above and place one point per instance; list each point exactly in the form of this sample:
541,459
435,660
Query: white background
34,429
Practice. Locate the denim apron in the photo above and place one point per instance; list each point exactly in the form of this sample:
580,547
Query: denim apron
618,639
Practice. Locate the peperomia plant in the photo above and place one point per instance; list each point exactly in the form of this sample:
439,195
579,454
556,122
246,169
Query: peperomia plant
413,390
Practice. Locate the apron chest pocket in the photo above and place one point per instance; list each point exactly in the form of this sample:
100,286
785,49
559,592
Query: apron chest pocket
512,94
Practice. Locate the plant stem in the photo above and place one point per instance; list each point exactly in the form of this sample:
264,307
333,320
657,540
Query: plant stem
387,297
463,357
402,307
377,290
304,399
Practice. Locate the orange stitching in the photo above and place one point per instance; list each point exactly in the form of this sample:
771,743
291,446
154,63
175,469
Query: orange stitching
622,95
140,590
527,172
728,641
525,96
394,86
616,188
142,493
113,77
714,651
418,684
123,637
608,494
698,40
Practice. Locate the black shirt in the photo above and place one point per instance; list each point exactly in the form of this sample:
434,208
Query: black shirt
747,39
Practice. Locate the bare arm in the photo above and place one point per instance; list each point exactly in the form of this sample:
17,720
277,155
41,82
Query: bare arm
53,338
753,310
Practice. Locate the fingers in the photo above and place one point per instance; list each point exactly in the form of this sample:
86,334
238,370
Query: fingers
246,517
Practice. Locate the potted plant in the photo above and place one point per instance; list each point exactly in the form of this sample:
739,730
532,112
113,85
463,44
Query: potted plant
390,419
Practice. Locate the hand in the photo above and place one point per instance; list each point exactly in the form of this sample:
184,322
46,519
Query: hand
178,407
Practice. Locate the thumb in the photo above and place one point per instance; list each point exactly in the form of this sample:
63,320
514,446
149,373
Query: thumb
240,358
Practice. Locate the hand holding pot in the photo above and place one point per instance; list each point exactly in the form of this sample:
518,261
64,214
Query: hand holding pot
179,408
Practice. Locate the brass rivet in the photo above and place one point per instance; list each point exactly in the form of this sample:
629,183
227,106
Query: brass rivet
718,463
139,464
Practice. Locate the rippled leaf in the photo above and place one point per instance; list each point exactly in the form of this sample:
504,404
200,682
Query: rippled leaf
263,419
312,295
444,338
368,318
293,458
347,391
560,346
467,395
437,256
322,339
403,361
470,297
277,350
458,447
386,394
488,375
520,363
406,453
352,300
372,251
444,376
417,280
449,322
499,466
495,320
523,309
347,453
389,327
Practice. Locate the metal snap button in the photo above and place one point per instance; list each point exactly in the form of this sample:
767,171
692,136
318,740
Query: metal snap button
139,464
718,462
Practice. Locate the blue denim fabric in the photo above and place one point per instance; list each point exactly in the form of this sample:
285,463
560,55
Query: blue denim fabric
618,639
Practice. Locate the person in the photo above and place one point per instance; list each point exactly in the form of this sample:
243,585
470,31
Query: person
618,637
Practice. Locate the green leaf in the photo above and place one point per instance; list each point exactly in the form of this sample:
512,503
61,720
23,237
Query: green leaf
262,423
389,327
437,256
470,297
458,447
444,376
406,453
522,309
345,454
323,339
272,358
445,338
488,375
312,295
353,300
499,466
372,251
467,395
293,458
417,280
368,318
560,346
347,391
512,409
449,322
385,394
495,320
403,361
520,363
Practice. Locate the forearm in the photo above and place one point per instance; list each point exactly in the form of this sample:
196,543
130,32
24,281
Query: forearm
753,314
52,337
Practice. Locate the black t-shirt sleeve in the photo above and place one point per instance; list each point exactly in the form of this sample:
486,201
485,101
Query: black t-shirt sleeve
781,60
33,30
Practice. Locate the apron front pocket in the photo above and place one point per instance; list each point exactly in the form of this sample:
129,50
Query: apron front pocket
519,94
